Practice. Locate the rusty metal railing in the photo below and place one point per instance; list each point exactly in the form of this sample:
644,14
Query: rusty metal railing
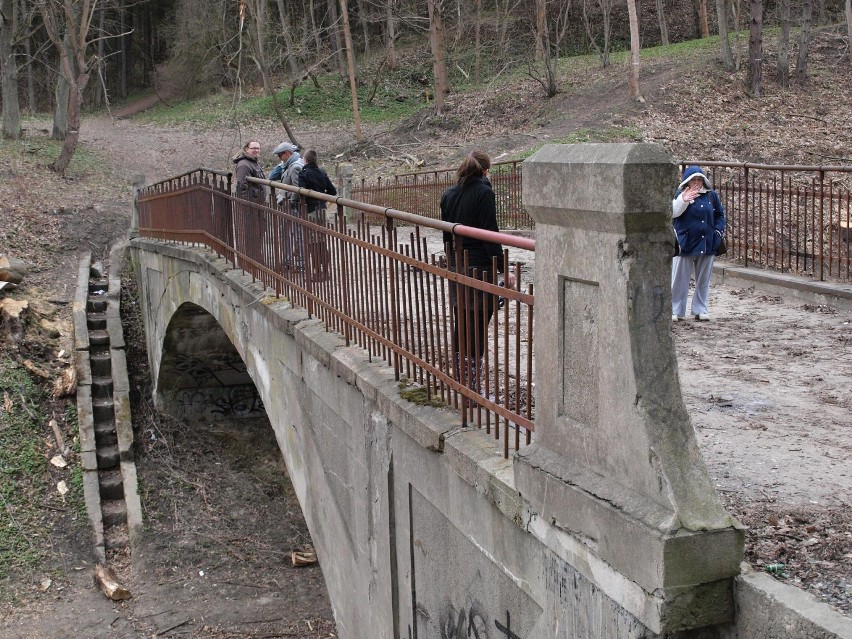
421,192
789,218
388,288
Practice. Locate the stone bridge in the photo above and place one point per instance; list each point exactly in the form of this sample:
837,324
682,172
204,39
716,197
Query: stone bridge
606,526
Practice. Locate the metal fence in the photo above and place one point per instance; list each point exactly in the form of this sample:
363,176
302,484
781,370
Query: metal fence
421,192
793,219
789,218
386,287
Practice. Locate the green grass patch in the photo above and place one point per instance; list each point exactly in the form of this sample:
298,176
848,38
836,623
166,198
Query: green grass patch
43,150
24,477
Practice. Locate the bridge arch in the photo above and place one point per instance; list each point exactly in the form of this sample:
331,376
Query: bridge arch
201,374
219,348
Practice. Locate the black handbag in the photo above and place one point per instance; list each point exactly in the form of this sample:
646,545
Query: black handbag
722,249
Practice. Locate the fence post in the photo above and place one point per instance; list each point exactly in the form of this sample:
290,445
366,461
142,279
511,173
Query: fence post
345,173
138,185
615,458
820,235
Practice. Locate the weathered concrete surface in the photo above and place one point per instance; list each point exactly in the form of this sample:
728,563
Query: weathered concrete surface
767,609
616,460
417,522
419,525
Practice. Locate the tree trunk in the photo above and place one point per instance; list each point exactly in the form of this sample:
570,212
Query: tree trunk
724,39
634,51
439,62
124,58
540,28
390,43
314,29
704,28
76,86
661,18
335,38
31,100
805,41
9,70
100,97
849,30
755,48
60,114
288,39
350,59
782,70
477,47
365,27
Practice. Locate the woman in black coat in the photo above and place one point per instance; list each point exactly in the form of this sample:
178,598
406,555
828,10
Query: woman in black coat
471,202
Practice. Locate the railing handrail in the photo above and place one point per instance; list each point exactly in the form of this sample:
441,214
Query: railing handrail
767,167
446,170
412,218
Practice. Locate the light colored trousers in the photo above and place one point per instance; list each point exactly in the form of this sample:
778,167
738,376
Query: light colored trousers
682,269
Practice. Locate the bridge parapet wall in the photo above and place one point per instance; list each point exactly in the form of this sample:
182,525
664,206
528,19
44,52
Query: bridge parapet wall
606,527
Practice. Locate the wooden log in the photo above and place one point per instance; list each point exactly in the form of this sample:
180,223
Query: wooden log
12,269
109,585
13,320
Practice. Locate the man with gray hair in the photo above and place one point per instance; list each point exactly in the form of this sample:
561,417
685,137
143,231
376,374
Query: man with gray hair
287,172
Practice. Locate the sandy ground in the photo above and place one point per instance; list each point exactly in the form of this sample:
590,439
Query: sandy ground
768,384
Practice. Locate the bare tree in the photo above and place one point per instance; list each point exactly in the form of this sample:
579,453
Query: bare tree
804,41
724,38
703,27
390,28
350,59
439,61
68,26
542,37
849,30
634,51
606,13
256,10
9,69
477,46
782,69
755,48
661,18
540,28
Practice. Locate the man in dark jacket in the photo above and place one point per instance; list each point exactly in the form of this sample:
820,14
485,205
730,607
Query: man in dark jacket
316,179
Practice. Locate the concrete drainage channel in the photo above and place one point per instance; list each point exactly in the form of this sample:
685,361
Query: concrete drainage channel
103,408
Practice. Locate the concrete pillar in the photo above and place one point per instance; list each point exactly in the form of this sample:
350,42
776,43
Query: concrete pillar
615,461
345,174
138,185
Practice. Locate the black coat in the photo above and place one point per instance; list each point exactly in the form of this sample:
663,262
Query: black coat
314,178
474,205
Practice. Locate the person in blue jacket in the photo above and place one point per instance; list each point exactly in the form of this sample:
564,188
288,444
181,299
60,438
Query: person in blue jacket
699,222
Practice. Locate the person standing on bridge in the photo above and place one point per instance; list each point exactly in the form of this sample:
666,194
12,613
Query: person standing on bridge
471,202
248,166
287,171
699,222
316,179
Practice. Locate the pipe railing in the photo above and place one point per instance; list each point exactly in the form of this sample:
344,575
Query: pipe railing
790,218
387,287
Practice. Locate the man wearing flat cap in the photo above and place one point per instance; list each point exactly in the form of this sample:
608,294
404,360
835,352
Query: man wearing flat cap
287,171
